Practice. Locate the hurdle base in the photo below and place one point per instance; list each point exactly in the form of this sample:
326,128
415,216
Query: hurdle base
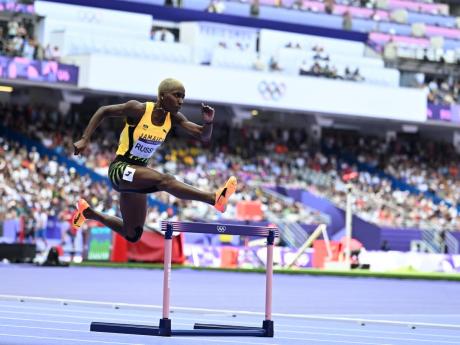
267,329
199,329
221,332
165,327
124,328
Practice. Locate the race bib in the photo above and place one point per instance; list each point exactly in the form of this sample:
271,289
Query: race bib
144,148
128,174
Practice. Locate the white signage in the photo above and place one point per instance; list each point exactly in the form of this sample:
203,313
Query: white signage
252,88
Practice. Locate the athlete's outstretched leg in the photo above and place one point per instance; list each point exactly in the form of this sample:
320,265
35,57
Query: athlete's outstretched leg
144,178
133,209
182,190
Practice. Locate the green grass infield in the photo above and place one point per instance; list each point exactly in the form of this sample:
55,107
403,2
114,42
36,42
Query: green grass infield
407,273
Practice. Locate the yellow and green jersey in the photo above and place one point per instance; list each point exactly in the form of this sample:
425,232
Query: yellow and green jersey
139,142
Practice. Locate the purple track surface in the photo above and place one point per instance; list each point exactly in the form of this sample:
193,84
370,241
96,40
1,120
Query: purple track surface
307,309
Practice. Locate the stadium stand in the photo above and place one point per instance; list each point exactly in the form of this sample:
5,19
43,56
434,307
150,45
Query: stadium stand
404,187
335,150
406,30
312,168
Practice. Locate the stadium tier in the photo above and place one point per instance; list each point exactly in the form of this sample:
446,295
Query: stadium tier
342,113
197,139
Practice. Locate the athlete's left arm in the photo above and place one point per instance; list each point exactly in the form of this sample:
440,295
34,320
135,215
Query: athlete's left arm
203,132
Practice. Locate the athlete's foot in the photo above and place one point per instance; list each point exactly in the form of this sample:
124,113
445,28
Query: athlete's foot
78,218
224,193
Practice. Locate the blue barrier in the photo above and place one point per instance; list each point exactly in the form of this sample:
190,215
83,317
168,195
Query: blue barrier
183,14
367,233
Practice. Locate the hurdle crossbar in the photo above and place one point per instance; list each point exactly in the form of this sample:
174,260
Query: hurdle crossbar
200,329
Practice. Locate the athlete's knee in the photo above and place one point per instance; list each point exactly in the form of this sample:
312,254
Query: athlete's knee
130,237
166,181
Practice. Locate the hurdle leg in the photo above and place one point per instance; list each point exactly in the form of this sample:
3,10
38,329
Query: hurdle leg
165,322
267,324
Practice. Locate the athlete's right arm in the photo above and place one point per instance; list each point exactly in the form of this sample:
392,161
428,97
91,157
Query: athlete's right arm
132,110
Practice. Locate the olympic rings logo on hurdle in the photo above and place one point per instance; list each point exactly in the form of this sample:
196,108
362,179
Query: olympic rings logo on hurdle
221,228
272,90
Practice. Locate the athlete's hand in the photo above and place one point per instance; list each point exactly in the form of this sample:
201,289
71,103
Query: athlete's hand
208,113
80,146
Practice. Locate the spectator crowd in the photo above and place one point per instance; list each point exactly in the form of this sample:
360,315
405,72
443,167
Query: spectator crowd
262,157
17,39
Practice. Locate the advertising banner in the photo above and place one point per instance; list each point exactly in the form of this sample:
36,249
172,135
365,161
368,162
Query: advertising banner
40,71
17,6
243,257
421,262
444,113
99,244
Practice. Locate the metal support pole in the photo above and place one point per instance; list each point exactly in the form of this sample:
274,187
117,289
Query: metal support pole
268,323
165,322
314,235
269,276
327,242
348,226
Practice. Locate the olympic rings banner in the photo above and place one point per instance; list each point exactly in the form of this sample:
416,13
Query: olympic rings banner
250,88
40,71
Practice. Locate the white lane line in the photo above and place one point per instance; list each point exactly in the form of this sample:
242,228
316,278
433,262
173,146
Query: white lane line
15,299
140,318
277,329
69,309
76,301
224,341
390,315
41,320
242,312
189,338
374,337
66,339
371,321
360,330
87,331
88,318
332,341
311,333
50,328
121,334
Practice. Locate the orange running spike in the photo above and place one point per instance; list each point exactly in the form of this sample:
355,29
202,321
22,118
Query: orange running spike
224,193
78,218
